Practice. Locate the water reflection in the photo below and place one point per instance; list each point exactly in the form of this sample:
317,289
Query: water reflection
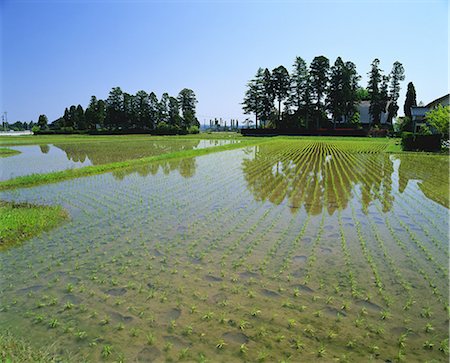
50,158
432,171
318,177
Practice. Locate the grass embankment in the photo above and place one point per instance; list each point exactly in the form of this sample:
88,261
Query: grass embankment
15,350
5,152
20,221
58,176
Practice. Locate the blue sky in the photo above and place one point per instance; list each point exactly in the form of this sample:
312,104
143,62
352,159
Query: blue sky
59,53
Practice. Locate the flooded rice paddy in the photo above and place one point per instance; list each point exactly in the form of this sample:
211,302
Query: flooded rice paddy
35,159
290,250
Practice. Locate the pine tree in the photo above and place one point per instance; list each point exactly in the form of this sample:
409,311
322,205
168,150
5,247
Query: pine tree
319,71
373,87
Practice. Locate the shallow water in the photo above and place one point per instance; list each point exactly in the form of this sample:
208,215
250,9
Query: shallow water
286,248
36,159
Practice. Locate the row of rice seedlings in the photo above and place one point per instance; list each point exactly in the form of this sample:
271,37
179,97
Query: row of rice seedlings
414,263
418,243
344,246
304,178
404,284
287,259
412,202
313,253
218,239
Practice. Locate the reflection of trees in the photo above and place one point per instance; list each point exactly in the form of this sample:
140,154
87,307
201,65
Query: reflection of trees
44,149
276,174
431,170
186,167
108,152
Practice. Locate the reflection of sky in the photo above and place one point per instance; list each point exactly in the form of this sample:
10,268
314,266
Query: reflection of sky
32,160
36,159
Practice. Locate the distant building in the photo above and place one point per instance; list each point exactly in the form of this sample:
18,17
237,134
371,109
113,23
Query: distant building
418,113
365,117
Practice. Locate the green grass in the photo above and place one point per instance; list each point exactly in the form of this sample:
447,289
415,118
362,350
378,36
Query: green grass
20,221
58,176
15,350
5,152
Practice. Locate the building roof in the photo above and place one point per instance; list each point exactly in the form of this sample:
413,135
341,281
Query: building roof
441,100
419,111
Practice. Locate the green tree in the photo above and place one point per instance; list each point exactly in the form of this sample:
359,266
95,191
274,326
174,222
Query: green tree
439,119
253,98
187,102
268,96
410,100
336,95
153,104
281,85
174,112
42,122
397,75
142,109
164,108
114,108
377,95
299,84
319,71
80,120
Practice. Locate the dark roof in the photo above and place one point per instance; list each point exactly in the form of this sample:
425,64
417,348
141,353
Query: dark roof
438,100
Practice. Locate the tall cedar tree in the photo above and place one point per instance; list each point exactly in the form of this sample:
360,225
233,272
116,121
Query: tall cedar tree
253,98
375,94
187,102
268,97
281,85
397,75
410,100
319,71
299,85
42,122
336,96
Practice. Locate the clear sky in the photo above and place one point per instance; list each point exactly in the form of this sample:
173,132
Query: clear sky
58,53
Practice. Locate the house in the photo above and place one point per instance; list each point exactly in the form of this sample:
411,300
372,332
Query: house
418,113
365,118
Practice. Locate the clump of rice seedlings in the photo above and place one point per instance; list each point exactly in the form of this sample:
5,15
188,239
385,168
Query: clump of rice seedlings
429,328
243,349
53,323
150,338
68,306
183,353
443,346
428,345
255,312
291,323
321,351
297,344
106,351
220,344
208,316
81,335
243,324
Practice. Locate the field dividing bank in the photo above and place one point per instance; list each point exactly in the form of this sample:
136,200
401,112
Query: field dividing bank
58,176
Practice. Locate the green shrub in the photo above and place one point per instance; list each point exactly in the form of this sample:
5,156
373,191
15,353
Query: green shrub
193,130
407,141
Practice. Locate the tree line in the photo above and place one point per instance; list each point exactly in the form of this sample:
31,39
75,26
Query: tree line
124,111
310,94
